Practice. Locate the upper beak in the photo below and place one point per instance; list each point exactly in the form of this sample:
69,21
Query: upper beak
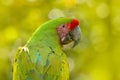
73,35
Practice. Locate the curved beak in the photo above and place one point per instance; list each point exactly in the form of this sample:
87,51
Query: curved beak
73,35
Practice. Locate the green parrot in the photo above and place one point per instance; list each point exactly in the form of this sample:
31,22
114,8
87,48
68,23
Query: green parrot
42,57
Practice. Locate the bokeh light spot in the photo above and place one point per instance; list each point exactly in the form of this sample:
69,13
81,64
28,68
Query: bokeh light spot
10,33
31,0
102,10
55,13
116,23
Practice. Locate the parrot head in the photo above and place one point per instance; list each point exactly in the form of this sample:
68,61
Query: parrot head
69,32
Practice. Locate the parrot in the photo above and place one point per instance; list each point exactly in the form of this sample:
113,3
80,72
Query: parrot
42,57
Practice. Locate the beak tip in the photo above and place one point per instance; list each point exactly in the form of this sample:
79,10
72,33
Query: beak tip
74,44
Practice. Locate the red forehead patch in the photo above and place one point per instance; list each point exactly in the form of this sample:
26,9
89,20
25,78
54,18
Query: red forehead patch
74,23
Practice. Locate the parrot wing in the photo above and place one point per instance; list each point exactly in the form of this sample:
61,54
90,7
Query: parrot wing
24,69
55,68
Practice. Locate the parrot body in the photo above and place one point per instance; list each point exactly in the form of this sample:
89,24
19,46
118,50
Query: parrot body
42,57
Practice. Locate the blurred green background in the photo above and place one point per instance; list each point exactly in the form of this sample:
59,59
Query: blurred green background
97,57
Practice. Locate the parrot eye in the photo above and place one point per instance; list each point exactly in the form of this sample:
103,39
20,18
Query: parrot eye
63,25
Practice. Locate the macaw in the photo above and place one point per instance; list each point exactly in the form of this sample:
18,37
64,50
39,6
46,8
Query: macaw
42,57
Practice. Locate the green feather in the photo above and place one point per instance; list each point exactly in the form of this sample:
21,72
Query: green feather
45,59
